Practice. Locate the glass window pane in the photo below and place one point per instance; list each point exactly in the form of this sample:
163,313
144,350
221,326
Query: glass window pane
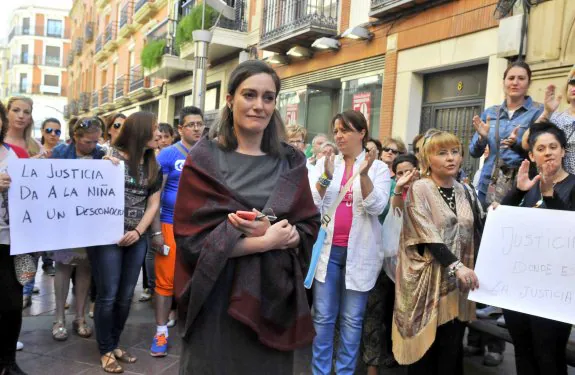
54,28
364,95
51,80
291,106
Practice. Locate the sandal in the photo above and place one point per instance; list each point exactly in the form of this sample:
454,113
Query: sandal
59,332
110,364
81,328
124,356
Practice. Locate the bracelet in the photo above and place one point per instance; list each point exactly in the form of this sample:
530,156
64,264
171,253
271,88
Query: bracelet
137,231
156,234
324,181
397,194
453,269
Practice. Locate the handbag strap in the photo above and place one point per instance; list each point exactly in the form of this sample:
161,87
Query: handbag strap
497,143
477,222
326,219
572,131
181,149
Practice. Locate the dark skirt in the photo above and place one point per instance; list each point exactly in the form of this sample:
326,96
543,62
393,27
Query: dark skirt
220,345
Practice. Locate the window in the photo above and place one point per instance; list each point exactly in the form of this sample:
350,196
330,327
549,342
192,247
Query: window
364,95
25,26
23,82
52,56
24,54
51,80
54,28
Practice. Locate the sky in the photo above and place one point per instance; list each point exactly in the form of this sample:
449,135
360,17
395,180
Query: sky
9,5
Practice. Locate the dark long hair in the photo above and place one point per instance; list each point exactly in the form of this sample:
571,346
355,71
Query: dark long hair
109,121
352,120
51,119
136,132
4,119
546,127
274,133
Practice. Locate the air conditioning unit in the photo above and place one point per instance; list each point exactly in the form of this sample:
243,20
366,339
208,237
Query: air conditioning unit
509,37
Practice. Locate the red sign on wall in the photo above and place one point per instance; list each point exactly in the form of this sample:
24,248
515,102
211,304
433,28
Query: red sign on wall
362,103
291,114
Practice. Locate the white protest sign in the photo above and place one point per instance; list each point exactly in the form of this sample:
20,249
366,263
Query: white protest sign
526,262
57,204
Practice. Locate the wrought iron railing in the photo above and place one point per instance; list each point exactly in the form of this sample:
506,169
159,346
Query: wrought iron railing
160,32
120,87
95,99
283,17
105,95
110,34
139,4
127,13
73,106
239,24
84,101
39,30
136,78
89,32
78,45
52,61
99,40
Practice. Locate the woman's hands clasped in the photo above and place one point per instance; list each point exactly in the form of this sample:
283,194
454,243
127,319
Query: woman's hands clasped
280,235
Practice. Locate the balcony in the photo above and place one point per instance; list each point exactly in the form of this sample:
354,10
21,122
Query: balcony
78,46
120,92
89,32
391,9
26,59
95,99
107,98
52,90
145,9
228,37
100,53
84,102
294,22
126,27
100,4
53,61
139,84
73,107
171,67
66,112
39,30
70,59
110,42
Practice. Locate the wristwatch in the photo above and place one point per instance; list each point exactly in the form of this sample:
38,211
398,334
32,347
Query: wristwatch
453,269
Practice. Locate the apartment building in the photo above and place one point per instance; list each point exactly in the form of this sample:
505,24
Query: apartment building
38,45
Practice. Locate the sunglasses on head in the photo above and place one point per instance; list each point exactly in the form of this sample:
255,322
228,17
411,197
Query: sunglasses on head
90,122
387,149
56,131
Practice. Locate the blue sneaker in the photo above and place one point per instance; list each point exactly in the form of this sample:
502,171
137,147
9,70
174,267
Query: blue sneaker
159,346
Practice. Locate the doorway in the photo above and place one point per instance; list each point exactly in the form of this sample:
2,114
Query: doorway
451,99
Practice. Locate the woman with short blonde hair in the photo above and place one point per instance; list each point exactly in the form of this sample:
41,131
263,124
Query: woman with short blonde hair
295,136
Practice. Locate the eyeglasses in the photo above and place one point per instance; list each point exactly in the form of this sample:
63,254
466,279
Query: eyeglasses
117,125
387,149
56,131
194,125
295,141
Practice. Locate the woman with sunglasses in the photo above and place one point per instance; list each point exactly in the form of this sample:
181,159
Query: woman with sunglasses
114,123
51,131
390,149
86,133
116,267
539,342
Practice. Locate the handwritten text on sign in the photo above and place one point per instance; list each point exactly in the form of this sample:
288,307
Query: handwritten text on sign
526,262
62,204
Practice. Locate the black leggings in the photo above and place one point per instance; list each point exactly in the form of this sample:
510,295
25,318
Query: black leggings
10,308
539,343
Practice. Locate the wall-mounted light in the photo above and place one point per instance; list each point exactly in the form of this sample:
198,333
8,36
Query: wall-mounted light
358,33
327,43
300,52
277,60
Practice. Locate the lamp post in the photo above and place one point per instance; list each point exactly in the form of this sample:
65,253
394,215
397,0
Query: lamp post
202,39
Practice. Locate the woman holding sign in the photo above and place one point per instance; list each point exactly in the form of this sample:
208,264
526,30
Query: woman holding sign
116,267
435,261
11,278
86,133
539,342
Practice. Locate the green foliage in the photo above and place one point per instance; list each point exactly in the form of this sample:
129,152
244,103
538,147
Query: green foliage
193,22
152,53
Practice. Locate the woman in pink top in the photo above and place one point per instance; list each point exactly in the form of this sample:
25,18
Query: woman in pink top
350,260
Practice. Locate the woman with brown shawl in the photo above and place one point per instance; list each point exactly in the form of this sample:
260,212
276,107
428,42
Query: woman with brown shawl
434,272
240,282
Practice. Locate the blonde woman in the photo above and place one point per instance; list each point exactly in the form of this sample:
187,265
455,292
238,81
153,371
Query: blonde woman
434,271
20,125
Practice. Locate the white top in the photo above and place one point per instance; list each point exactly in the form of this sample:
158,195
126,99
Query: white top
5,156
364,251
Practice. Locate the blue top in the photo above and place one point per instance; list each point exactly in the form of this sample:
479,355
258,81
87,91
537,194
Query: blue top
65,151
523,117
171,160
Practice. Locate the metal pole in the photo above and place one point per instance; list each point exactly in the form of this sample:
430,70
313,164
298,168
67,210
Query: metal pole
202,39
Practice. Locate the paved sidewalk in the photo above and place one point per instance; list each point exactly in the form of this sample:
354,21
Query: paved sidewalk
44,356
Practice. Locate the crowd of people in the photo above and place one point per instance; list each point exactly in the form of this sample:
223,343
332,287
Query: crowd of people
224,224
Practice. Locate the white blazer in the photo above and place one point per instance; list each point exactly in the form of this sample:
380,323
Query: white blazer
364,252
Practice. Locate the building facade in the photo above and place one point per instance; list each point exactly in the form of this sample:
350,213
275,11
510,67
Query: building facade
38,46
